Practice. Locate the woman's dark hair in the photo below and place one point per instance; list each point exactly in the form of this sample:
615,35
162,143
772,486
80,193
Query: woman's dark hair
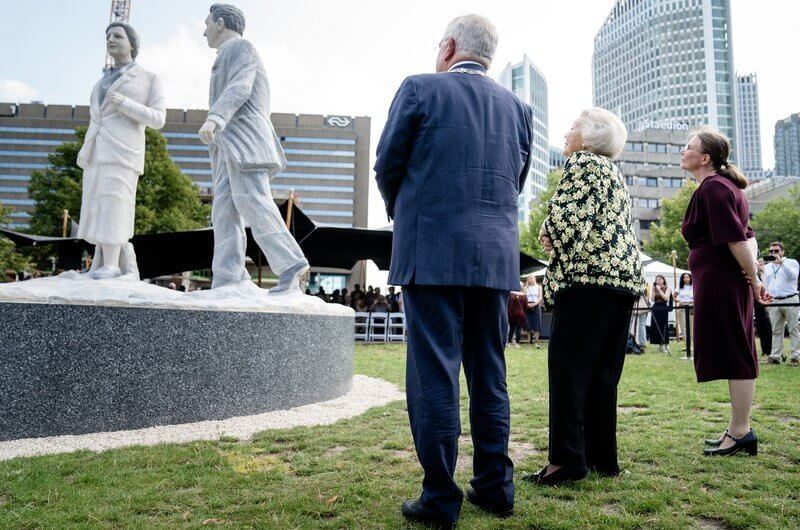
655,282
133,37
681,282
718,147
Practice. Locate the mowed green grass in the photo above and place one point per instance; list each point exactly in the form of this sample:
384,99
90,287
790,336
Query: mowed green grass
355,473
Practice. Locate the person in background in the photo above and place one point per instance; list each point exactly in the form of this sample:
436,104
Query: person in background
357,292
11,276
721,246
593,279
172,286
517,321
683,299
336,297
392,299
360,303
321,294
345,297
370,296
380,305
533,295
661,298
641,312
780,279
763,323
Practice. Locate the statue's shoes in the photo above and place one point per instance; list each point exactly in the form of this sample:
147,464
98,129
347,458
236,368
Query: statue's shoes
105,272
290,279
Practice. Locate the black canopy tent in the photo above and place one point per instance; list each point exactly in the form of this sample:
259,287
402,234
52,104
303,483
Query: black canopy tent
175,252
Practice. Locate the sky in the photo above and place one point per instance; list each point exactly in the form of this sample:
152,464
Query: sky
348,57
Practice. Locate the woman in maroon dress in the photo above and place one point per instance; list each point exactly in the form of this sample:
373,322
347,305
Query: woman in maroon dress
721,247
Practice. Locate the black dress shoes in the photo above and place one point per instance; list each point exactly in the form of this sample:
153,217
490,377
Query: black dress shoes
747,443
499,510
417,512
716,442
562,475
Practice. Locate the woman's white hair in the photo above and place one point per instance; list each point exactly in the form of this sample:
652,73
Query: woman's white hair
603,132
474,35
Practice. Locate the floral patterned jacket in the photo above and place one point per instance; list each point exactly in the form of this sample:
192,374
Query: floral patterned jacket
589,223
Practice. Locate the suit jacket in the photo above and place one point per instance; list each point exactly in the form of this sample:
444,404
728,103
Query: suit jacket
116,134
451,162
238,102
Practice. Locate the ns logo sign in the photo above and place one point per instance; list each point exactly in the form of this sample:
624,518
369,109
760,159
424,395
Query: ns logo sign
337,121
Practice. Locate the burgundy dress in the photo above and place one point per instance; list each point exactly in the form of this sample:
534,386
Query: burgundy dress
723,302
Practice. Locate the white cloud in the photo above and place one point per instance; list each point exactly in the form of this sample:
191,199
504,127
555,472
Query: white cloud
14,91
183,63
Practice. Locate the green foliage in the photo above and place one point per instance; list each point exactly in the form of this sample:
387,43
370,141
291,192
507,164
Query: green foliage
166,200
10,259
529,233
665,235
780,221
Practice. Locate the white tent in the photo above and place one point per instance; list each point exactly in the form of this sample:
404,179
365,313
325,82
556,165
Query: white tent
652,267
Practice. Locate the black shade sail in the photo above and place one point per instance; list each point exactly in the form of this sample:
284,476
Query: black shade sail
175,252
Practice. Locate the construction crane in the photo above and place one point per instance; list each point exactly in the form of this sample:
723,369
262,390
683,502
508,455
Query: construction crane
120,12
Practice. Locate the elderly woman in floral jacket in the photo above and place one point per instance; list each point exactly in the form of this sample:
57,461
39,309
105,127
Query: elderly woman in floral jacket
593,279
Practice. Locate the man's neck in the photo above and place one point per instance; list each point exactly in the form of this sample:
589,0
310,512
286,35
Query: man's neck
466,59
226,36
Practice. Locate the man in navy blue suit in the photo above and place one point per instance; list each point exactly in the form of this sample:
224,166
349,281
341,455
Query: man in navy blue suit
451,162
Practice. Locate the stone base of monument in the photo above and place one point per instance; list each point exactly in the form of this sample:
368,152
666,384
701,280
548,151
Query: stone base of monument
83,368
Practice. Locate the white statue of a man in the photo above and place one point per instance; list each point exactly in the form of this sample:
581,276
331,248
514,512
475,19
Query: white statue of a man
245,154
123,102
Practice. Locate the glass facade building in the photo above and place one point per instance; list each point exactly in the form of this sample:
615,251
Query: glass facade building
667,64
749,128
787,146
530,85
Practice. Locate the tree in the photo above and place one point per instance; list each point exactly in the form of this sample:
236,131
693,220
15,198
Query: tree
780,221
166,200
10,259
665,235
529,233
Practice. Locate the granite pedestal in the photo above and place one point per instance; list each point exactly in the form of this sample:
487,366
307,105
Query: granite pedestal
75,369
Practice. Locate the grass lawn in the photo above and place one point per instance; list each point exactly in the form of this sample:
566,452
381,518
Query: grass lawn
354,474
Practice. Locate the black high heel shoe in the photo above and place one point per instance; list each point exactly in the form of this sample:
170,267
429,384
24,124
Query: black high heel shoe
560,476
716,442
747,443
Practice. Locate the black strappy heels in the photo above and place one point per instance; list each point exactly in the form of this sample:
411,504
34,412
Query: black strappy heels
747,443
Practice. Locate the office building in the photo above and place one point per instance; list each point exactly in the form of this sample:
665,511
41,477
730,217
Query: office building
749,128
650,163
667,64
557,158
530,85
787,146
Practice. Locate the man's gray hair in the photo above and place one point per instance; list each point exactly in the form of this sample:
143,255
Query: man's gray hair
474,36
232,16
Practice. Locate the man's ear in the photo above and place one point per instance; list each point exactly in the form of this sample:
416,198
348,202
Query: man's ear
451,48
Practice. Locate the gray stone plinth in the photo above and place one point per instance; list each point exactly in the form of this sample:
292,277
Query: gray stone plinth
72,369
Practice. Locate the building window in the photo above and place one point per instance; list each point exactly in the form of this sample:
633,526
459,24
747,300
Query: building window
673,182
644,224
647,182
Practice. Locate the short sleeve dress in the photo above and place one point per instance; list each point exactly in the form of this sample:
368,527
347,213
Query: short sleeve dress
724,344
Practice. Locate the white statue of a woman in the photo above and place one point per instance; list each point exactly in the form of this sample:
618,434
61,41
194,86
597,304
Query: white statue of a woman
125,100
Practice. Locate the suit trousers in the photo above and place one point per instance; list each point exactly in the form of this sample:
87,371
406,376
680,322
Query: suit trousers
447,327
244,197
585,359
783,317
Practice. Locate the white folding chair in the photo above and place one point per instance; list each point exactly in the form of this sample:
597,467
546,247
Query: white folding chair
378,326
362,326
397,327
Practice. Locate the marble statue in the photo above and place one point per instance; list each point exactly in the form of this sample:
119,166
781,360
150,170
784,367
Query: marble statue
124,101
245,154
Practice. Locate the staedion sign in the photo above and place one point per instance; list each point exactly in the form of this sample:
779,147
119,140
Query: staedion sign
668,125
